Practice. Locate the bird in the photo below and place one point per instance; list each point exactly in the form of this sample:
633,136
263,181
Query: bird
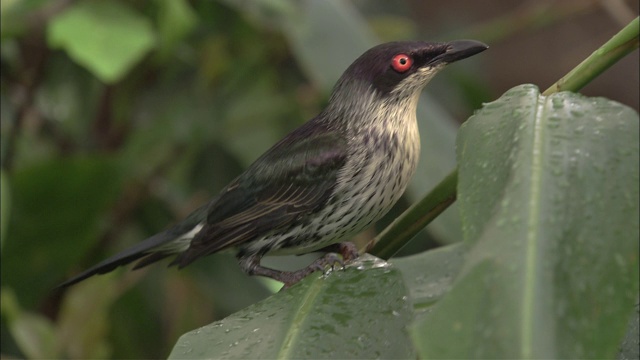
324,182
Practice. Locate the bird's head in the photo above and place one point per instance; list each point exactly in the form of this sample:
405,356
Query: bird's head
401,69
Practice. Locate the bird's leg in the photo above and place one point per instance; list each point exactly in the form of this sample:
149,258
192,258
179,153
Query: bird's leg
251,264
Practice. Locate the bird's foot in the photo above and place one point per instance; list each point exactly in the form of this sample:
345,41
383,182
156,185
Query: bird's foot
328,260
340,254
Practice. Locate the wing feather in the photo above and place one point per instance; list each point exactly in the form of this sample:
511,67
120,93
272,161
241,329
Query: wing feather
292,180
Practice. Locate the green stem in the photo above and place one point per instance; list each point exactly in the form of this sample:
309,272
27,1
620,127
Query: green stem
414,219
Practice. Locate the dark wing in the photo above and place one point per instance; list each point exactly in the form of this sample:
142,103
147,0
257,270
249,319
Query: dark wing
290,181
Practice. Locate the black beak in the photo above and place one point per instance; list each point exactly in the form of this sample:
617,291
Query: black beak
458,50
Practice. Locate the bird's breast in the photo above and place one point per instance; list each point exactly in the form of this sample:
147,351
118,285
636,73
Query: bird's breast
382,161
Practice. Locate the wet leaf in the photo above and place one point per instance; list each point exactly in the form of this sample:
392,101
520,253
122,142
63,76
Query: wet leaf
630,346
548,191
357,313
429,275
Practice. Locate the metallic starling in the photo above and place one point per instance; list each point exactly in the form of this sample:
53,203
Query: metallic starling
325,181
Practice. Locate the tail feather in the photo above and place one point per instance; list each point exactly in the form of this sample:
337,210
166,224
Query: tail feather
150,259
143,250
169,242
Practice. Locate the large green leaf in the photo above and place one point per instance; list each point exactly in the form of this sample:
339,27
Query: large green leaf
429,275
548,192
328,304
106,37
630,347
357,313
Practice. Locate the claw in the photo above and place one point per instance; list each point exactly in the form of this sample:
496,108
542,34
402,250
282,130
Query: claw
332,259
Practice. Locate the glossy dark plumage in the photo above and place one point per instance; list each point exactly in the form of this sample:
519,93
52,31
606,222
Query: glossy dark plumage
325,181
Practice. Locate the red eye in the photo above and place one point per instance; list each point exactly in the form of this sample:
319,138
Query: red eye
401,63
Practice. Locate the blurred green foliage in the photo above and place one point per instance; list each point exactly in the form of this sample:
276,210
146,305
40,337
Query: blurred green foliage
107,38
119,117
